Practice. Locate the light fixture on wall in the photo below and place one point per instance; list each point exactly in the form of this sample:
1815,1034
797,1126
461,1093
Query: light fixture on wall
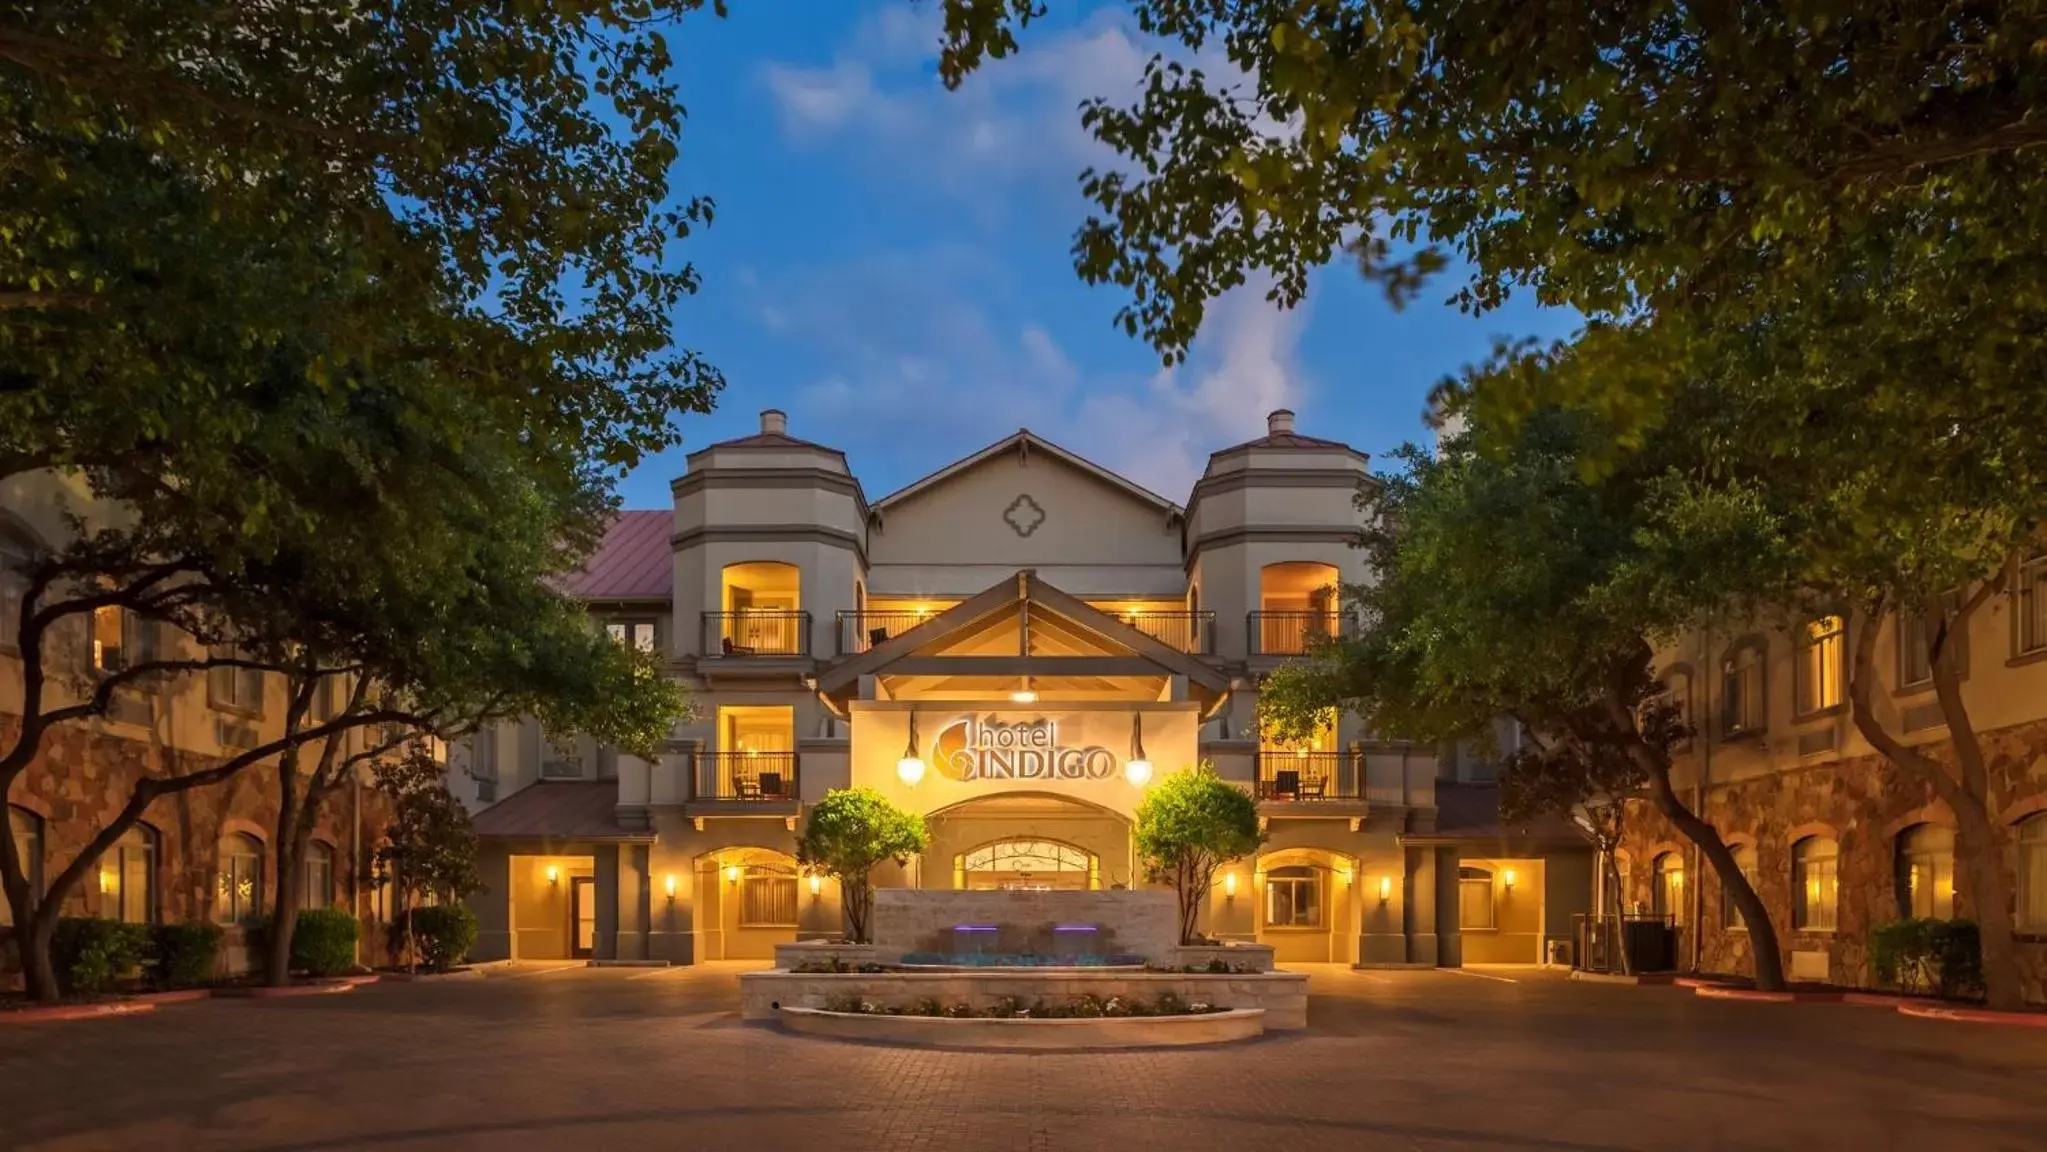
1137,769
669,885
1230,885
1025,694
554,874
1507,877
816,883
1385,889
910,768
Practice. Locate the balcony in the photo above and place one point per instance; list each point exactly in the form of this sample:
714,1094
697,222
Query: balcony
860,631
745,778
1290,777
775,632
1288,633
1189,632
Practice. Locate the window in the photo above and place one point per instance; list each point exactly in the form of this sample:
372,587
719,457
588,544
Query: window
1915,661
1926,872
1677,694
120,639
332,696
26,829
238,880
238,688
1741,689
1474,899
636,633
128,877
2030,623
316,888
1817,671
16,555
1815,863
1292,898
2033,873
1667,898
767,897
1745,863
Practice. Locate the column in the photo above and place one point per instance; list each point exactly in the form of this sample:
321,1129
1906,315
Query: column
1419,924
493,905
606,859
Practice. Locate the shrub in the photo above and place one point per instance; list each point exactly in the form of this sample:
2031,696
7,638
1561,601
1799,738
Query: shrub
183,955
323,941
90,953
1944,957
444,934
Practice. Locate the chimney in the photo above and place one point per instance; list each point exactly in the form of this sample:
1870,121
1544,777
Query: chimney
1280,422
774,422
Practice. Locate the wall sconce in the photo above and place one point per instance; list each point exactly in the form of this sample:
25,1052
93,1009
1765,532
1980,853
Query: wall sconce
731,873
669,884
554,874
1230,885
910,768
816,884
1385,889
1507,878
1137,769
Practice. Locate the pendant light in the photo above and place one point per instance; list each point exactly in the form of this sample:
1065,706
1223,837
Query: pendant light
1137,769
910,768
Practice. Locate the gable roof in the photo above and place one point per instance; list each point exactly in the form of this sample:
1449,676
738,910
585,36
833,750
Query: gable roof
634,561
1023,441
558,810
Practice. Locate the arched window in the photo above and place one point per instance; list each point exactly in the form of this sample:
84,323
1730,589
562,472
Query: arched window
1297,607
1816,674
1815,863
760,602
1667,896
767,897
1293,898
1745,863
317,887
128,877
26,829
1028,864
1475,899
1742,703
1926,872
2033,873
238,879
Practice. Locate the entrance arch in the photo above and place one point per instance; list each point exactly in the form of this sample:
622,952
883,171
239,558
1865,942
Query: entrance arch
1028,839
1306,905
748,900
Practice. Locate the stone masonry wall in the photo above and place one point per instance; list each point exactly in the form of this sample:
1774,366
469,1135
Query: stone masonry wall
1140,922
82,778
1283,995
1864,802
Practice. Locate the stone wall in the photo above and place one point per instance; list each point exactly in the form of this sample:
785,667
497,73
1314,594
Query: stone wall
82,778
1864,803
1283,995
1143,923
1250,957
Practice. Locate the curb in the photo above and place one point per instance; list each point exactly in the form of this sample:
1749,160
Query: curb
174,996
265,992
1976,1015
360,979
1879,1000
76,1012
1653,978
1704,982
629,964
410,977
1723,992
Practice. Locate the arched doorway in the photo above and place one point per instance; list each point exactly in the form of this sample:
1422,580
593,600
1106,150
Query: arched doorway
748,900
1306,905
1026,865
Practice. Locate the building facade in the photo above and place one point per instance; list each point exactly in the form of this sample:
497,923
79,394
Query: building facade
1836,839
200,855
994,647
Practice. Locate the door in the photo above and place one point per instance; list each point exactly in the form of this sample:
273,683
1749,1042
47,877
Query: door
582,917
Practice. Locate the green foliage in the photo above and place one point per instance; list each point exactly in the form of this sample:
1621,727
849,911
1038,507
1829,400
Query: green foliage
1189,824
443,933
430,847
323,942
92,953
182,955
848,833
1943,957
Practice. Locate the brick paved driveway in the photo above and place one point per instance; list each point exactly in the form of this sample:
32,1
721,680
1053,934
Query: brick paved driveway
599,1059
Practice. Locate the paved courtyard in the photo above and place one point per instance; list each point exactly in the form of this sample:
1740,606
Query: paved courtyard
546,1057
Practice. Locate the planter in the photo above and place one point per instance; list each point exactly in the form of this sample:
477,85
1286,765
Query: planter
1101,1032
1282,995
1239,957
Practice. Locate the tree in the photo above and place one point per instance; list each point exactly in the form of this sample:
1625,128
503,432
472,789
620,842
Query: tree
1510,583
430,848
1188,825
848,833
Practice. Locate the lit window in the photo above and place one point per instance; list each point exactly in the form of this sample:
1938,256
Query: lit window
1926,872
1293,899
2033,874
1817,672
26,829
638,634
1667,897
1745,863
767,897
1741,689
238,880
1815,884
1474,898
2031,625
128,878
317,887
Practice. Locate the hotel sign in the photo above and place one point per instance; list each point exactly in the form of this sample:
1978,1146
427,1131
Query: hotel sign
985,748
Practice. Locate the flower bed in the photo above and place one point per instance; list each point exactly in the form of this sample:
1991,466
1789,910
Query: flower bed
1084,1007
1283,995
1065,1033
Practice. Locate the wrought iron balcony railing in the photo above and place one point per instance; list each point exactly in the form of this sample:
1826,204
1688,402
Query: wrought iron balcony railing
1284,774
775,632
1190,632
745,776
1288,633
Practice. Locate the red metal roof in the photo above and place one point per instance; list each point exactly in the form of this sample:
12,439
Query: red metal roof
634,562
558,810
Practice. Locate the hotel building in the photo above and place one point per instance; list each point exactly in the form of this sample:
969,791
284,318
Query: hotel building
1027,625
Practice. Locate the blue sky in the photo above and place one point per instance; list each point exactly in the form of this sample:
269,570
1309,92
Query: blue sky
889,264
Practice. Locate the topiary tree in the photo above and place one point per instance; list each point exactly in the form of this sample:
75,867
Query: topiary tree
849,832
1191,824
